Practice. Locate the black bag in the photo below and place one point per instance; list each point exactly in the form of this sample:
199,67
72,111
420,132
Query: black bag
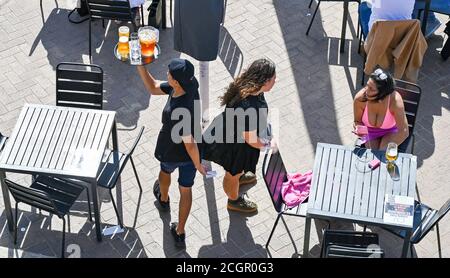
155,14
81,11
445,52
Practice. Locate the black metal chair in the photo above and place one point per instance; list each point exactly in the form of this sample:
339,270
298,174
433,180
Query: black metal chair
110,10
52,195
274,174
2,141
317,8
115,163
411,94
79,85
425,219
350,244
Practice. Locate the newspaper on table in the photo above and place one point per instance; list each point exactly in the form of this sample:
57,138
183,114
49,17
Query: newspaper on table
398,210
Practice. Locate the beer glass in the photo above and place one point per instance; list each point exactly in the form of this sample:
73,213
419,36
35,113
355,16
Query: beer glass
147,39
391,153
123,47
124,31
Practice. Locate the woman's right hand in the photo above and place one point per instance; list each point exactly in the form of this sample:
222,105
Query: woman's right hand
201,168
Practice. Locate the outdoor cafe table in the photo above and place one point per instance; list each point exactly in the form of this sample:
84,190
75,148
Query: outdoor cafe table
58,141
343,188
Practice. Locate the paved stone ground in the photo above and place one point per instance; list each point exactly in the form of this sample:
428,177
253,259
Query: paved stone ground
313,98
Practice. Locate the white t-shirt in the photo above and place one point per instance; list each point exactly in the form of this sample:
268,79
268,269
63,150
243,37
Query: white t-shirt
391,10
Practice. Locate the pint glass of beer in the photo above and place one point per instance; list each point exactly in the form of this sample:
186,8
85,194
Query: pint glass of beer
123,47
147,39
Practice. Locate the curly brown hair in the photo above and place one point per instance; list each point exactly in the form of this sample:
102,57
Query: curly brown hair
249,82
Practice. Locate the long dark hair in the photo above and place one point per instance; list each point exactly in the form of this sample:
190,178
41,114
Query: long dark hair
249,82
384,81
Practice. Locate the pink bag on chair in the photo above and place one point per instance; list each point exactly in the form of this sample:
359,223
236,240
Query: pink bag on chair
296,189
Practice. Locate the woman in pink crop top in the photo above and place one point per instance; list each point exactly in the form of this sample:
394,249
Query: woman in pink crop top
380,108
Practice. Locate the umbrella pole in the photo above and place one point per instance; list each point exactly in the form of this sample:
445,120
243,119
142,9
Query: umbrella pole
204,92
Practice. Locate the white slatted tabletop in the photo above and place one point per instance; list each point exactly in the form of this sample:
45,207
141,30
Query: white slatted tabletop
343,187
58,141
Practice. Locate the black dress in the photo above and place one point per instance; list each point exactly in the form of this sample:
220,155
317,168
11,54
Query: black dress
232,153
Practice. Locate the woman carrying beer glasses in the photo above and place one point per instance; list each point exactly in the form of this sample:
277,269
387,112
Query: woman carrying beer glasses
380,108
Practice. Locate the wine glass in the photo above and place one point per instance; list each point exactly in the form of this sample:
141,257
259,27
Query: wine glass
391,153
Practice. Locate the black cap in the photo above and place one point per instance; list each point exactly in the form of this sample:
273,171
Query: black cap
183,71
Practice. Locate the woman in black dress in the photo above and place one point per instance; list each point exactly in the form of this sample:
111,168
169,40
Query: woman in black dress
242,128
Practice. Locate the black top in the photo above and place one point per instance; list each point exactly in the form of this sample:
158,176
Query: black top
170,149
232,152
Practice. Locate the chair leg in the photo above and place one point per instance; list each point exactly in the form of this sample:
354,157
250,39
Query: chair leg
89,204
16,224
363,73
310,4
115,208
411,250
357,23
140,192
90,41
273,230
63,238
142,15
438,240
312,19
359,42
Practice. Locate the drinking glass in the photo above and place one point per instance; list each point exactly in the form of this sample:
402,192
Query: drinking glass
123,47
391,153
148,39
135,49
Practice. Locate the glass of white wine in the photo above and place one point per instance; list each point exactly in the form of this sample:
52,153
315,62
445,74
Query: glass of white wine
391,153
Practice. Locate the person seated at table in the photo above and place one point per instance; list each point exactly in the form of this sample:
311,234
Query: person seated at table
373,10
379,107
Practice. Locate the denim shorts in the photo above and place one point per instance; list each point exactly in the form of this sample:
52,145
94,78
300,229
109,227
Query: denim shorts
186,171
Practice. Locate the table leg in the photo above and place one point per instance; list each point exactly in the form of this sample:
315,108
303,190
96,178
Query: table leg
406,244
344,26
306,237
94,195
425,16
7,202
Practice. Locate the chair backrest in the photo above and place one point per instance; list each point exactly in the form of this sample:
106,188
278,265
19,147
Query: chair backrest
32,197
274,174
429,222
350,244
410,93
79,85
127,156
110,9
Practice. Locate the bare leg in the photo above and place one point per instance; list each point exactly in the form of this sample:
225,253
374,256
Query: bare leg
184,208
231,185
164,183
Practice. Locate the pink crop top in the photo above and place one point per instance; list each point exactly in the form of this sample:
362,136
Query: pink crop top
388,121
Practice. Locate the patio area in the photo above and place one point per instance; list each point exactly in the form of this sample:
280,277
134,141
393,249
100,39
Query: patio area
312,98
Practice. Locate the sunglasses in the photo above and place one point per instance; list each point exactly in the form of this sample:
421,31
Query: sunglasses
380,74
